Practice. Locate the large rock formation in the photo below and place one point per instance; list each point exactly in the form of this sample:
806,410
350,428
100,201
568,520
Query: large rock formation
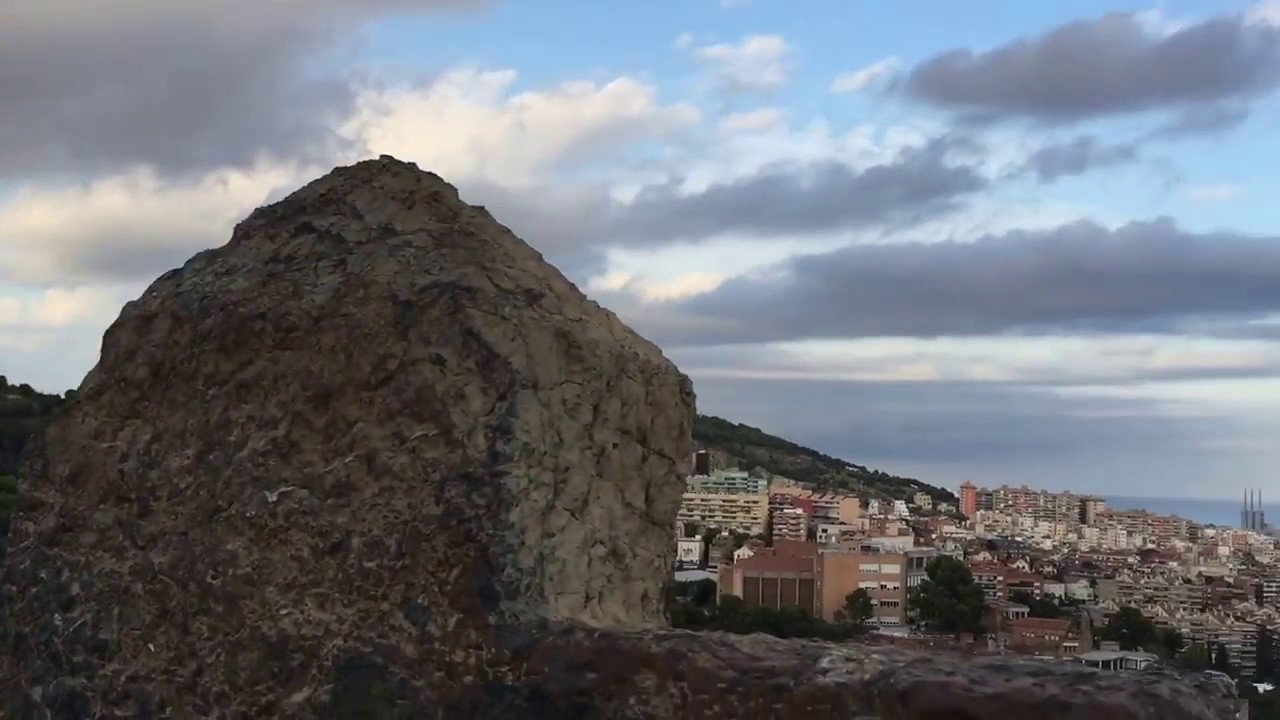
375,458
374,418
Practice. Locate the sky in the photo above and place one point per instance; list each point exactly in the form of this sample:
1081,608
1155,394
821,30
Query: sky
1007,242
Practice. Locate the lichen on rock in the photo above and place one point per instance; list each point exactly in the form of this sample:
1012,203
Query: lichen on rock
374,422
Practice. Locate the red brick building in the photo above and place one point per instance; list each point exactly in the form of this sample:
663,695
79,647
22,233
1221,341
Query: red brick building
1043,636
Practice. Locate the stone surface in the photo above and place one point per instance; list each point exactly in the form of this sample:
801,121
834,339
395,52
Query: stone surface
375,459
677,674
372,421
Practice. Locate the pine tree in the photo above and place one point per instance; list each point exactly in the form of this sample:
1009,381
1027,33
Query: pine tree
1222,661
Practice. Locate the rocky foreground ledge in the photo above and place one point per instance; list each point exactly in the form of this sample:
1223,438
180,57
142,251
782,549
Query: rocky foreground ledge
375,458
678,674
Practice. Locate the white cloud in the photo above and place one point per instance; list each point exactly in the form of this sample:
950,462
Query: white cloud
1211,193
468,124
677,288
1061,362
855,80
751,120
500,145
124,224
683,41
756,63
62,307
1266,12
1156,20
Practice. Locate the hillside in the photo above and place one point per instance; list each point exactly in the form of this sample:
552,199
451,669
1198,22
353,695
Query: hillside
23,410
753,448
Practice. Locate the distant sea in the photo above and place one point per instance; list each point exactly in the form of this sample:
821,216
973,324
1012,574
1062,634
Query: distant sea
1202,510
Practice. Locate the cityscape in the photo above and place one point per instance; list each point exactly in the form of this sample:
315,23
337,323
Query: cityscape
775,544
691,361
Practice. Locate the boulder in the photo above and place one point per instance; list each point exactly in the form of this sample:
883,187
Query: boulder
375,421
375,458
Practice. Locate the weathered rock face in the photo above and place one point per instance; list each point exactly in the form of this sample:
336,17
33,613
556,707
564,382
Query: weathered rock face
375,459
374,417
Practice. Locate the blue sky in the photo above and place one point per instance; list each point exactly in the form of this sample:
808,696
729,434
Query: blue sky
1010,242
829,38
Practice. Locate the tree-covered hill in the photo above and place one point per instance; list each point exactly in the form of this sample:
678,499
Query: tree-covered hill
754,448
23,411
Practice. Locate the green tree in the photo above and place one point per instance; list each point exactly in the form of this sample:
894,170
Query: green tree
1194,657
1266,655
1222,661
8,499
1262,706
698,593
1130,628
1170,643
948,600
735,616
1037,607
857,609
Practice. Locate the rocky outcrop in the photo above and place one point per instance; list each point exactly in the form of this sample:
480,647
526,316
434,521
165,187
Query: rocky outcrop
574,673
375,458
374,421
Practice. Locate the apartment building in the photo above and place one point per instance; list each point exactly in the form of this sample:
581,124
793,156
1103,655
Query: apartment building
1172,593
730,500
999,581
779,500
1148,526
1239,637
1091,509
1267,591
741,512
772,579
724,482
833,507
968,498
1038,505
882,575
788,523
984,499
923,500
833,533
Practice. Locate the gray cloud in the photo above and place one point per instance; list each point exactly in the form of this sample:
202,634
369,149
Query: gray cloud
565,224
920,183
1075,277
1107,66
1120,364
1077,157
944,432
1204,120
177,84
562,223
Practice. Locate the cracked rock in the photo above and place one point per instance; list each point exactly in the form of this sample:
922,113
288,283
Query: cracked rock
373,392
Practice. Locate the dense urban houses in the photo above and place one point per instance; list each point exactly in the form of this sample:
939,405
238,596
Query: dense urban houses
1054,570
